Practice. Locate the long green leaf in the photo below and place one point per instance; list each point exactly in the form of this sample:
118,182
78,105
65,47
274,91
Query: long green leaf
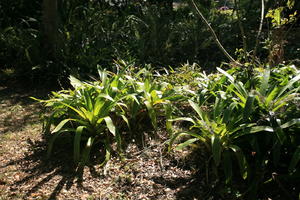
82,115
186,143
243,165
110,125
61,125
265,83
248,107
151,113
256,129
75,82
227,166
290,123
231,79
290,84
216,148
197,109
76,145
88,100
272,96
182,119
87,151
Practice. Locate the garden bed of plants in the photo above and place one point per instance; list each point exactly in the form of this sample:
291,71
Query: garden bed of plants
229,129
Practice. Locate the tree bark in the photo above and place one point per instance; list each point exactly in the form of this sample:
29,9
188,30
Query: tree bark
50,22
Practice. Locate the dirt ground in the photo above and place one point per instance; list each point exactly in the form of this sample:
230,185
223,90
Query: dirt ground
145,173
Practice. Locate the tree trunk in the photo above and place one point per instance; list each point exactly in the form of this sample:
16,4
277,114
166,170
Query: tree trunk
50,20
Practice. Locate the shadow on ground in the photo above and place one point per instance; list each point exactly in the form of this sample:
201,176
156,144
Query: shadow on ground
37,167
18,110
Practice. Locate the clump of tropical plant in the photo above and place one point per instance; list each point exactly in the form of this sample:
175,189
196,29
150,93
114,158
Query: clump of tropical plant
96,114
250,124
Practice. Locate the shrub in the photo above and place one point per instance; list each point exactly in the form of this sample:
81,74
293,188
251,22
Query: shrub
256,120
96,113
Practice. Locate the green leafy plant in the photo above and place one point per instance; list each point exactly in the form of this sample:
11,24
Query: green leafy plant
95,113
253,122
90,112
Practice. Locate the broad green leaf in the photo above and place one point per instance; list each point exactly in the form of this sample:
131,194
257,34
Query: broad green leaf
248,107
228,112
88,100
277,16
168,114
265,83
284,100
60,125
197,109
241,160
276,123
154,96
186,143
76,145
216,148
105,96
176,135
272,96
290,123
88,115
147,86
227,166
182,119
239,85
217,109
87,150
290,3
74,109
173,138
151,113
231,79
256,129
126,121
103,76
75,82
242,98
290,84
98,105
109,123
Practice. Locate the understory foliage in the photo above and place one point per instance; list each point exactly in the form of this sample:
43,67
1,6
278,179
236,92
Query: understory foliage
94,33
245,125
103,113
244,116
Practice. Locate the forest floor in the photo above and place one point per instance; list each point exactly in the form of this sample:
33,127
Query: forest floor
145,173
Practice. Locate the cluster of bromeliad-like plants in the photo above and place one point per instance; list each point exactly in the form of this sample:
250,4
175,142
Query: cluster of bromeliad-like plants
246,121
250,123
102,113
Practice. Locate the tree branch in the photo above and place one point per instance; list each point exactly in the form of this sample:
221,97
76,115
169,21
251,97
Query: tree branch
214,34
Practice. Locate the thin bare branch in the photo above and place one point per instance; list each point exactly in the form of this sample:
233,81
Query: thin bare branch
214,34
260,29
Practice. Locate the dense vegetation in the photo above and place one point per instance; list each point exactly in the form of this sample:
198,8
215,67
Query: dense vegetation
240,104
